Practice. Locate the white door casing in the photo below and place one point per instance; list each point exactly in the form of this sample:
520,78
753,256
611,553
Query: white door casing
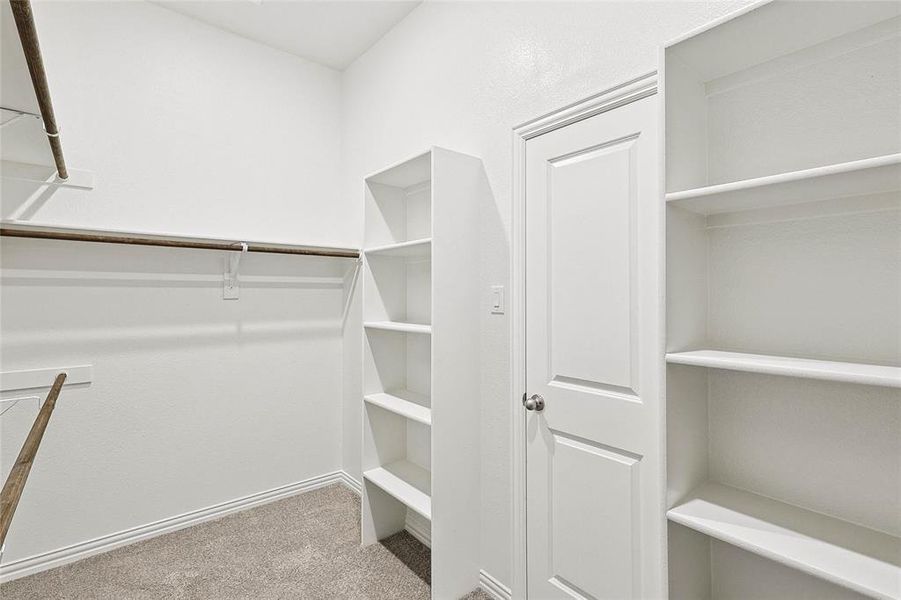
589,277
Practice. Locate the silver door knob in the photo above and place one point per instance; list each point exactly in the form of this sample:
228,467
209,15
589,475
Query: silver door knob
534,402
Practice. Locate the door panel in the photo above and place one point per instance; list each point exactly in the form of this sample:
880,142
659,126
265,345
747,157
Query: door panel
589,202
592,494
594,487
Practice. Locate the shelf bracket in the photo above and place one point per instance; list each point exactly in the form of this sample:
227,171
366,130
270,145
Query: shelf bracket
230,288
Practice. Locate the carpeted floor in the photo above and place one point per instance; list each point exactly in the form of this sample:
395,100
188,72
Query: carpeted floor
306,547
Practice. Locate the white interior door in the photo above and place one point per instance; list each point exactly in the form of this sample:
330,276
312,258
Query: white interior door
594,506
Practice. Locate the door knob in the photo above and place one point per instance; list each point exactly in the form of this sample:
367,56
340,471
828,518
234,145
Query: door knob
534,402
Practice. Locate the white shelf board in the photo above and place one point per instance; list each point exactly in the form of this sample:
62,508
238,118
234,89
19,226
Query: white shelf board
405,403
855,178
397,326
413,249
406,173
408,483
791,367
864,560
46,174
39,378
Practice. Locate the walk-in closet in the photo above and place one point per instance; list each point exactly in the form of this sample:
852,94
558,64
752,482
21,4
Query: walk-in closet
439,300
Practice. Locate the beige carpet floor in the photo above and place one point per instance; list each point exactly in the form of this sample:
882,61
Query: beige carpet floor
304,547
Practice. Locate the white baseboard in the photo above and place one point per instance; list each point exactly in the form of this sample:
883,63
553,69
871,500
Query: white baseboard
352,484
495,588
62,556
419,527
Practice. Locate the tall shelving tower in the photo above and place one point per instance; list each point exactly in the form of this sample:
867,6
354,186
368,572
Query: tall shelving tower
421,360
783,173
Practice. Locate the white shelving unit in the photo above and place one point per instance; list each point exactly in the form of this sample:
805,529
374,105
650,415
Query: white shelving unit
783,175
420,360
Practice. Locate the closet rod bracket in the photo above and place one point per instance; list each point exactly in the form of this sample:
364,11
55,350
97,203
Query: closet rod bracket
230,288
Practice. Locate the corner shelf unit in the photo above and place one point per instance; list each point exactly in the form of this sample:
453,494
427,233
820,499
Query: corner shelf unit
783,215
420,360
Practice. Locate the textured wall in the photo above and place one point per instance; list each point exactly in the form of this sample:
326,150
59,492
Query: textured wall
195,400
190,129
462,75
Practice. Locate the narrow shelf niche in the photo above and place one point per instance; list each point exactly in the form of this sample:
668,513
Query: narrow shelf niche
783,215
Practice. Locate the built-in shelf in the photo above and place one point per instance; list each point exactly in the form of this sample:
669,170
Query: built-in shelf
791,367
412,210
405,403
864,560
413,249
855,178
408,483
397,326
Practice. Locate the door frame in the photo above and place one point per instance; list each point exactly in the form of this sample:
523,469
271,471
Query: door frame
620,95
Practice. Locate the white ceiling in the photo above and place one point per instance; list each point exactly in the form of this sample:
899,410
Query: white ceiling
330,32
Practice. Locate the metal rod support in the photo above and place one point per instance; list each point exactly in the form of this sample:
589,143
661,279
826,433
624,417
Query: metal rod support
28,35
15,481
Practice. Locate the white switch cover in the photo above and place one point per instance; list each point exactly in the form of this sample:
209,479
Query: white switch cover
230,289
497,299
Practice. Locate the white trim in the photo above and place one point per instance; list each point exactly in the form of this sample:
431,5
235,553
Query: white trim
419,527
68,554
716,22
619,95
625,93
351,483
493,587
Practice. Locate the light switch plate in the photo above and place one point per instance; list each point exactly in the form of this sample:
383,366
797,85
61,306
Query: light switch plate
230,289
497,299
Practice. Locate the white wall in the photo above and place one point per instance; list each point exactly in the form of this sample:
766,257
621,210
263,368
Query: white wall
190,129
195,400
462,75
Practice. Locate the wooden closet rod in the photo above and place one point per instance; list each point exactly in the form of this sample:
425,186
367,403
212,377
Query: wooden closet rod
28,35
15,481
170,241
